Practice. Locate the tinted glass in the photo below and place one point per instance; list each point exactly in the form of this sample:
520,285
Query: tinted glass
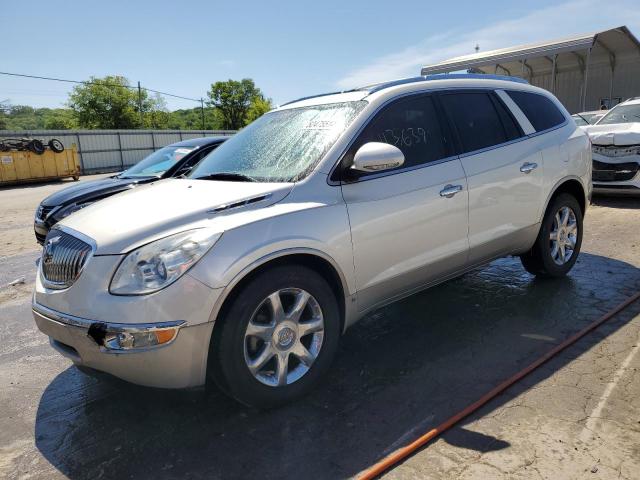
541,112
511,127
412,125
476,120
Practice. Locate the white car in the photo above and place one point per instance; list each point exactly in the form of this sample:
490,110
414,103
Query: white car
584,119
249,271
616,150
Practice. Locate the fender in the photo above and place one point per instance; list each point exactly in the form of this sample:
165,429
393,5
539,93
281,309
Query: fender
350,312
555,188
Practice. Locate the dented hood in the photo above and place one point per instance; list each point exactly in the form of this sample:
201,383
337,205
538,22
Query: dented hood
615,134
135,217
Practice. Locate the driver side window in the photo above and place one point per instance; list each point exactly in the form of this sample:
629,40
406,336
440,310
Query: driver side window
412,125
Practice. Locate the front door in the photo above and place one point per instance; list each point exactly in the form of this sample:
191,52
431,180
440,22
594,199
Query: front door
408,225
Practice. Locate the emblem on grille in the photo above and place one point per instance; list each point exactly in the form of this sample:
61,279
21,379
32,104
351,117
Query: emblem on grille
49,249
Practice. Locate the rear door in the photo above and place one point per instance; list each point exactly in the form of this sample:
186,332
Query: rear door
405,231
504,173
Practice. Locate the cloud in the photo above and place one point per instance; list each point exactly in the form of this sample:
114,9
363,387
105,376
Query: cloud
561,20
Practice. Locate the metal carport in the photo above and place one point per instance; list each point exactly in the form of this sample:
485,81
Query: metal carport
583,71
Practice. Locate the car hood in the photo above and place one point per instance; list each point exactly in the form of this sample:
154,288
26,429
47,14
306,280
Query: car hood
615,134
133,218
95,189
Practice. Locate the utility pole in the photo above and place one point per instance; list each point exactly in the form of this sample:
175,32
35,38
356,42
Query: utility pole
140,105
202,111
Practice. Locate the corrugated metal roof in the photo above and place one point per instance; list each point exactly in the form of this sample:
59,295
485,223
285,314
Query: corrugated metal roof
522,52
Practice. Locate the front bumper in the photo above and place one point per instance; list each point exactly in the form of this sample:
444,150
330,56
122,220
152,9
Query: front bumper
180,363
616,175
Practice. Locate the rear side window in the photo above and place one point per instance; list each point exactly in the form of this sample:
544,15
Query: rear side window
412,125
511,127
541,111
476,119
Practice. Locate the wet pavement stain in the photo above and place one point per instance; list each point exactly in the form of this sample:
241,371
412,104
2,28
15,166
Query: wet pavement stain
401,370
424,357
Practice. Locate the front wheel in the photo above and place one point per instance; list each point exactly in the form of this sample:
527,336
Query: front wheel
277,338
558,244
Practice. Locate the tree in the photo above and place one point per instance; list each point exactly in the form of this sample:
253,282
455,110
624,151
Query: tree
105,103
259,107
234,99
111,103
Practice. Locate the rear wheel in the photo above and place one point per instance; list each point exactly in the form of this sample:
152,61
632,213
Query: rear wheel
277,338
559,240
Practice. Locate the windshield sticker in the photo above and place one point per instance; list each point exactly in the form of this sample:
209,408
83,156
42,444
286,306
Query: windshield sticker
320,125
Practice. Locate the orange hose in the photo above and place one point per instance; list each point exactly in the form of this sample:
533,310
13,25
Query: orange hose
400,454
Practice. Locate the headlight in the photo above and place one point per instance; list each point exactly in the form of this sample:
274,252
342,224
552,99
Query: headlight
158,264
69,209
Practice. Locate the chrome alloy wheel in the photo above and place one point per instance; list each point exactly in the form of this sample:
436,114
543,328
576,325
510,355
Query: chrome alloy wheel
563,236
284,337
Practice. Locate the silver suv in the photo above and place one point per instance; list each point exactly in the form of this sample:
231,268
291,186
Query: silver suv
249,271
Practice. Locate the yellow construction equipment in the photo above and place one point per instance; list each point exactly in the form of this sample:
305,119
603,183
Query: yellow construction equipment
25,166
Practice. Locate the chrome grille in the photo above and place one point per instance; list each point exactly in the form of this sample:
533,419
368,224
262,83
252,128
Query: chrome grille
63,257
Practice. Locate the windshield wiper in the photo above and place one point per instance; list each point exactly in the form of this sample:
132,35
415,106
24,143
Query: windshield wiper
230,176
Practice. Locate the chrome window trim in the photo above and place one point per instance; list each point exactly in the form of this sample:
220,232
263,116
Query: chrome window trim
526,136
403,170
522,119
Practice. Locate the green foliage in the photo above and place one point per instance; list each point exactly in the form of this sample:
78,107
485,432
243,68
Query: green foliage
110,103
106,103
239,102
259,107
22,117
191,119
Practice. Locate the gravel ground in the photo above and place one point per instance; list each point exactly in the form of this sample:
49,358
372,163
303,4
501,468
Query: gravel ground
399,372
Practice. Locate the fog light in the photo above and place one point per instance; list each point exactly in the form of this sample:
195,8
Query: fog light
132,337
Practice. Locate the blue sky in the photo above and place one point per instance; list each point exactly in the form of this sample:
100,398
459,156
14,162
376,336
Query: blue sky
290,48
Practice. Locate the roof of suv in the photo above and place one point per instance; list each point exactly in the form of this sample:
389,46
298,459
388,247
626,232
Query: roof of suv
469,80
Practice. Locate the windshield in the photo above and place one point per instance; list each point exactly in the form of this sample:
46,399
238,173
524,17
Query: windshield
281,146
580,120
622,114
157,163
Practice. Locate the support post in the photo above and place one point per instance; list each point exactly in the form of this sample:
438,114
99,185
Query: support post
140,106
553,74
202,111
120,148
586,77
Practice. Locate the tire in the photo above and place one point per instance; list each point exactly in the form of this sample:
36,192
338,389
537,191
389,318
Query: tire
36,146
232,347
56,145
544,259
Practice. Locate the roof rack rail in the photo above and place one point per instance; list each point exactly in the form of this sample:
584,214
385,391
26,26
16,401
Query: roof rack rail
441,76
314,96
423,78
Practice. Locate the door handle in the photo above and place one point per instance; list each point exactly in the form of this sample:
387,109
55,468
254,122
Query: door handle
528,167
450,190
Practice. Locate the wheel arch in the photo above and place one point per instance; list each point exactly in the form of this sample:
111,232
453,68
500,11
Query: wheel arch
317,260
571,185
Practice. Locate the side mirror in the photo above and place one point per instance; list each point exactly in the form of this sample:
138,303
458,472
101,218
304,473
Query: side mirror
377,157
